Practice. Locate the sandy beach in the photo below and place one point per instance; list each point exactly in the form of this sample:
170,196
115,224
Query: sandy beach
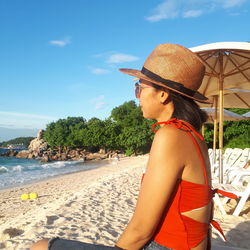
91,206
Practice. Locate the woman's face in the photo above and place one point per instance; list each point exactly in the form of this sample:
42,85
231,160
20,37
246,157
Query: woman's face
149,100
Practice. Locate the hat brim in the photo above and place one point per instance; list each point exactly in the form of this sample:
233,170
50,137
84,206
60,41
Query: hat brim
137,73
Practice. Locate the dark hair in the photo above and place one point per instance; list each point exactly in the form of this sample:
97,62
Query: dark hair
188,110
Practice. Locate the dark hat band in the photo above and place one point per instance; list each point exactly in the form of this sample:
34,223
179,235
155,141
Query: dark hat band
171,84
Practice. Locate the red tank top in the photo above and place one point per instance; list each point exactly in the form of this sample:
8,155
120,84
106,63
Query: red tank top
178,231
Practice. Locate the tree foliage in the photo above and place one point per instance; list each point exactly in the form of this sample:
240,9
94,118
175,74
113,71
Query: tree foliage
135,135
63,133
127,114
126,130
25,141
235,133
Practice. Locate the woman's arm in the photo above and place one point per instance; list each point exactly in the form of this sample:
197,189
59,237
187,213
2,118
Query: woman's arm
163,170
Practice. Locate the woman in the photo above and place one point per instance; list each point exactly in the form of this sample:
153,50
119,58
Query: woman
174,207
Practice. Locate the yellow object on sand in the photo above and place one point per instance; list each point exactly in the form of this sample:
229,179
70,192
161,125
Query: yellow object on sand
33,195
25,197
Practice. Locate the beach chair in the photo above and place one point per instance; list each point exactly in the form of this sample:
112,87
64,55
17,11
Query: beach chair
230,160
210,155
210,151
226,156
234,156
241,167
241,177
242,192
214,159
227,153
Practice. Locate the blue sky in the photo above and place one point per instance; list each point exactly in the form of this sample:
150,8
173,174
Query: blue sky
61,58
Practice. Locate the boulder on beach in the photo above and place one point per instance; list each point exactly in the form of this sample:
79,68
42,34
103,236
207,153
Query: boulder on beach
9,153
23,154
45,158
36,148
39,149
38,144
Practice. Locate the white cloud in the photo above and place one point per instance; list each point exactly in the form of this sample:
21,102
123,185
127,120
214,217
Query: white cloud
121,58
61,43
104,54
100,105
99,71
167,9
24,120
99,102
232,3
170,9
192,13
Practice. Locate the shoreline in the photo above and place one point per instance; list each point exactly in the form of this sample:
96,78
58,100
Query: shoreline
91,206
103,163
88,164
32,218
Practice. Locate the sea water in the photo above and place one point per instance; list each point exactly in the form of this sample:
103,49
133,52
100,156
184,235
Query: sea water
16,172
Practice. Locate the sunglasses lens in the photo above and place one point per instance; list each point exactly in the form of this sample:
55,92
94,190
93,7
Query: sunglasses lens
137,90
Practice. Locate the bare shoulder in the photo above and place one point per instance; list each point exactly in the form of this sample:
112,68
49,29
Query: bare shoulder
170,145
170,136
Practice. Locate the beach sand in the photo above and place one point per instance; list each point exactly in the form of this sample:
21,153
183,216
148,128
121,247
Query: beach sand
92,206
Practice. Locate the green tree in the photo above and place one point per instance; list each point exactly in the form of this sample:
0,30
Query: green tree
136,139
135,132
126,130
95,134
62,133
128,114
75,138
111,133
237,133
25,141
209,134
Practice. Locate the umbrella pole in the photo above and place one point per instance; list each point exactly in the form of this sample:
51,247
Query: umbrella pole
221,119
203,130
215,128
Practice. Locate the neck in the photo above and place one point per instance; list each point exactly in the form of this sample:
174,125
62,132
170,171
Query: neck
166,113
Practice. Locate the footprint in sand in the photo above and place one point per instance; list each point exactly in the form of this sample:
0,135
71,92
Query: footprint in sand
51,219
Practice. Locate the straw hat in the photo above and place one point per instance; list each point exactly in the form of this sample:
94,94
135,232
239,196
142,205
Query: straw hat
174,67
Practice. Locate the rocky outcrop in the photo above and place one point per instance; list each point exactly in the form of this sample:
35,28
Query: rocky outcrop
39,149
36,148
38,144
23,154
10,153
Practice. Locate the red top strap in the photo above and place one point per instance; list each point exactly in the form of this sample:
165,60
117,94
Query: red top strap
188,128
178,124
225,193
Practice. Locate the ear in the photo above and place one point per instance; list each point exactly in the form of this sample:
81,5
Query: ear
164,96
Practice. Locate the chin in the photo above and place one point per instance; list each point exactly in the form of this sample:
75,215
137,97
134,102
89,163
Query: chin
147,116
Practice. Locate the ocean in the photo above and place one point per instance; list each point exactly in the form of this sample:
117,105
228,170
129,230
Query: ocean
16,172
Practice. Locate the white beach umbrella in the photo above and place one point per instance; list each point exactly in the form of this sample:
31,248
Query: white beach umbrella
227,115
233,98
213,114
247,115
227,67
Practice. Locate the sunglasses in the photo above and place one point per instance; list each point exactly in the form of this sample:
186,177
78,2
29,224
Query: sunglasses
138,88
